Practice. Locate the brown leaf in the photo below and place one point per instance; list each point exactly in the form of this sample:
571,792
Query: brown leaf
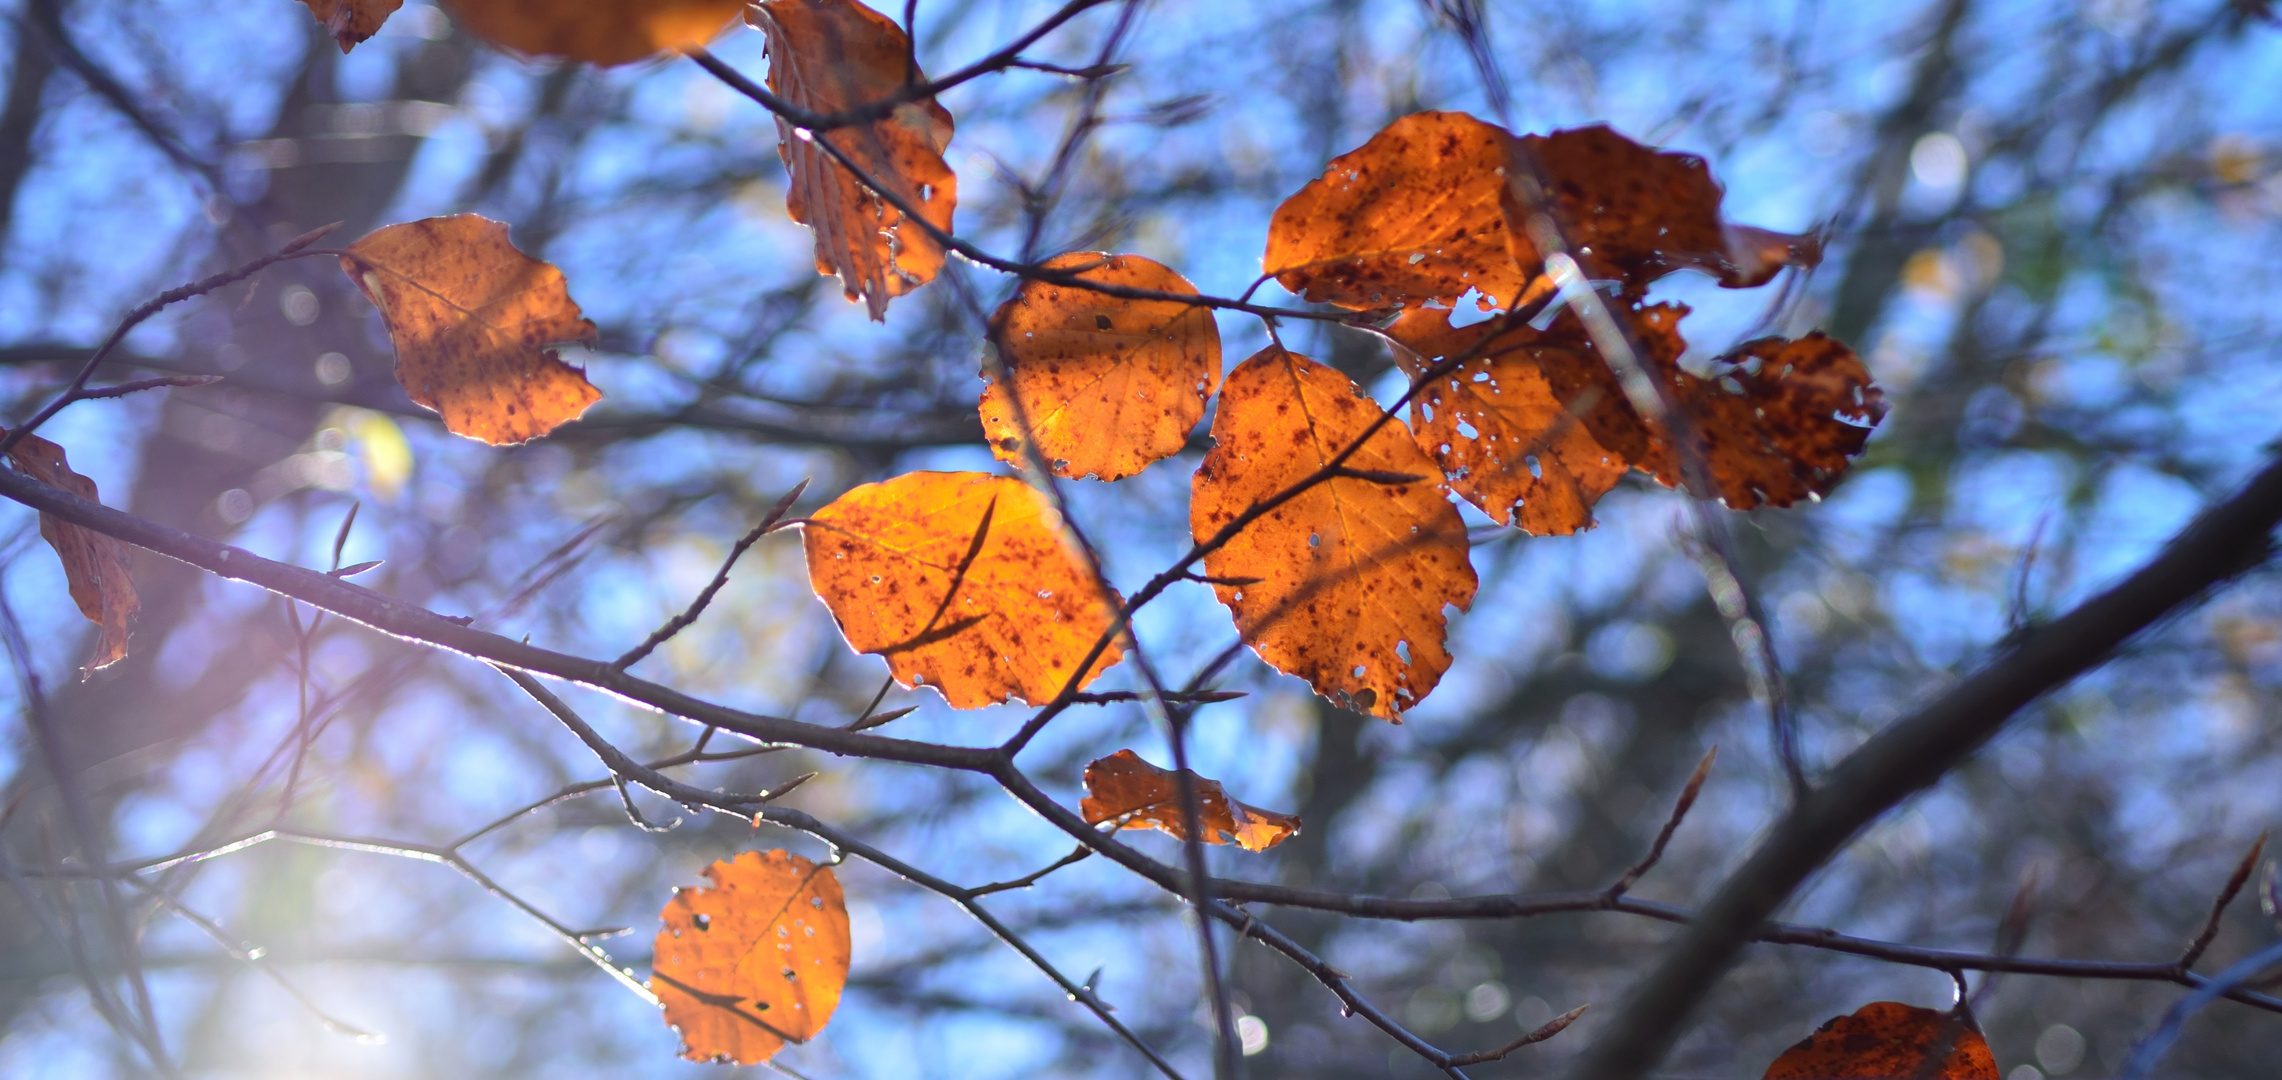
1776,421
1412,216
352,21
830,55
1108,385
474,322
962,581
1139,795
1354,572
1887,1040
1507,442
94,564
605,32
1636,214
754,962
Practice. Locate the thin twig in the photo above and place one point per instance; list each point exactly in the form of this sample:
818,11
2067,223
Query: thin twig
2227,893
696,607
1680,807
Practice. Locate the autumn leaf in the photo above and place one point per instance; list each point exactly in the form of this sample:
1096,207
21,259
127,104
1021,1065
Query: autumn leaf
1138,795
94,565
1350,576
831,55
1415,215
1508,443
352,21
1775,421
1107,385
1887,1040
1635,214
754,962
605,32
475,322
963,582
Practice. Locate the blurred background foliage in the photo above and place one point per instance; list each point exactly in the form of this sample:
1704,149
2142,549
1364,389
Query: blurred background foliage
2054,231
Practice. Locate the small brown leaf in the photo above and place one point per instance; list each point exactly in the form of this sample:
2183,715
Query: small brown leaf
1508,443
1412,216
604,32
1354,572
352,21
754,962
1636,214
1138,795
1108,385
94,564
831,55
1887,1040
962,581
474,322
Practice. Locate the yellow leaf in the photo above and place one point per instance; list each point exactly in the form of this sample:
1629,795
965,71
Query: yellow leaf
475,322
1107,385
754,962
605,32
1352,574
963,582
831,55
1138,795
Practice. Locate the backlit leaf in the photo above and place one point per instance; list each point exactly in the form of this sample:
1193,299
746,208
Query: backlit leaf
605,32
1414,215
1776,421
1635,214
1107,385
1506,441
1887,1040
475,323
1352,573
352,21
1138,795
962,581
754,962
94,564
830,55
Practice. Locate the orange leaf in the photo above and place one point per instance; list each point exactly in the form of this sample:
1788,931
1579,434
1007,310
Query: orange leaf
1508,443
352,21
1414,215
1887,1040
962,581
1352,573
94,565
1776,422
474,322
1139,795
830,55
1634,214
605,32
754,962
1107,385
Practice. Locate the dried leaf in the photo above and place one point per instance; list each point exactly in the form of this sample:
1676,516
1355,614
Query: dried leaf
352,21
1138,795
474,322
1776,421
1507,442
1887,1040
962,581
1108,385
1354,572
1412,216
605,32
831,55
1635,214
754,962
95,565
